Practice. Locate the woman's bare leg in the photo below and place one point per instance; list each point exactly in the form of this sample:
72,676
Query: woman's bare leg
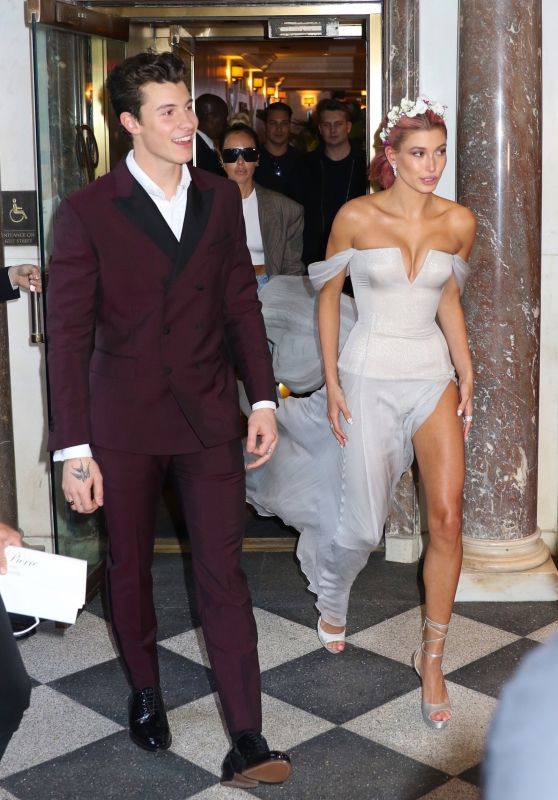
439,448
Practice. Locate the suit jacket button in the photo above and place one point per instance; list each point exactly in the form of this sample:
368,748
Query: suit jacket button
200,287
166,330
168,370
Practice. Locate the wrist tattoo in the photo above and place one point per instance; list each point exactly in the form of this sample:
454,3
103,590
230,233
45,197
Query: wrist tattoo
81,473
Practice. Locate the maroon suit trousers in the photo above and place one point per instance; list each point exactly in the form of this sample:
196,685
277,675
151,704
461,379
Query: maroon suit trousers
211,484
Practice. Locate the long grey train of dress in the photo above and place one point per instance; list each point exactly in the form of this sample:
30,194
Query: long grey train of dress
393,368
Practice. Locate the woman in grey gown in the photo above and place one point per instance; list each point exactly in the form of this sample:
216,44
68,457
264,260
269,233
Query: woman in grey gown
400,384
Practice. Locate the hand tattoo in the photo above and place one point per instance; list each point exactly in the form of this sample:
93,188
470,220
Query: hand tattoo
81,473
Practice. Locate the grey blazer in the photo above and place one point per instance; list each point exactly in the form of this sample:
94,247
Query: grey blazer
282,226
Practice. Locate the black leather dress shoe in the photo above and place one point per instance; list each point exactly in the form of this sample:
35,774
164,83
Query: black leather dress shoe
149,727
251,762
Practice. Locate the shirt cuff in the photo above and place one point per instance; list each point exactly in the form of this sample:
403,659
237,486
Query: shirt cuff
14,286
77,451
264,404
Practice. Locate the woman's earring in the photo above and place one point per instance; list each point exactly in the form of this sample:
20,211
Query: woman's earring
394,168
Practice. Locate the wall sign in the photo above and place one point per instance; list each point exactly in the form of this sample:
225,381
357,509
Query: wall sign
19,218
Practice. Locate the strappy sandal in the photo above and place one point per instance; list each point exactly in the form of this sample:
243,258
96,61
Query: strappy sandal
431,708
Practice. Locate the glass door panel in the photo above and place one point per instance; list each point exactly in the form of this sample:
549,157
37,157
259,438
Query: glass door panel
69,74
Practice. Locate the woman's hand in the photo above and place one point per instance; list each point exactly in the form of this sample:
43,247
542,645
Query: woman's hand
465,407
336,405
8,536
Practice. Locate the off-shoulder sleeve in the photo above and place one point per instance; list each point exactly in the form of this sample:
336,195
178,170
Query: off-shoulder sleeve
461,270
320,272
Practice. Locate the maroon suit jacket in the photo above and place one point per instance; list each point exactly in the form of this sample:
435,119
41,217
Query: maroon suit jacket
145,332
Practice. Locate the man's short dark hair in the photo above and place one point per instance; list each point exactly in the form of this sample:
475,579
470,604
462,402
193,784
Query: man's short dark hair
210,104
329,104
124,82
278,107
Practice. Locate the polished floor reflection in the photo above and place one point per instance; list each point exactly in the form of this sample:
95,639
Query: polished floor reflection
352,723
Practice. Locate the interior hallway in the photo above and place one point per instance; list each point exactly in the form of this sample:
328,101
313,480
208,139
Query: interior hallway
351,723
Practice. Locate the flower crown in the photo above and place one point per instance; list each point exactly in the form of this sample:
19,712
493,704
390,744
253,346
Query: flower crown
408,108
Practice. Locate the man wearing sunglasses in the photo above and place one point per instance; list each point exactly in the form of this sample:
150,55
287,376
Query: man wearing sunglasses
151,287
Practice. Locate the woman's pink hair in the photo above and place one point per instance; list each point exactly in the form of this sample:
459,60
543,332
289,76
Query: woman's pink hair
380,172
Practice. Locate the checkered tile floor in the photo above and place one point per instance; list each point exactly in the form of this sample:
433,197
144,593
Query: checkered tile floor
351,723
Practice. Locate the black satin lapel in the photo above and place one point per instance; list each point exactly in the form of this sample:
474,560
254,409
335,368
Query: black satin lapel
198,208
142,212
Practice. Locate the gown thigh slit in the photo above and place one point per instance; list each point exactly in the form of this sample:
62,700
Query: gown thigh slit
393,368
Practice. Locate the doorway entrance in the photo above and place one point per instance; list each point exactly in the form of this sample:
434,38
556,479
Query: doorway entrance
253,55
246,59
249,55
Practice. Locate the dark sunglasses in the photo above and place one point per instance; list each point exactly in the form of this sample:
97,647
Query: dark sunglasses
231,154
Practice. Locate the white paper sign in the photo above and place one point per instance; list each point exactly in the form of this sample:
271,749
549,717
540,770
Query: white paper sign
43,584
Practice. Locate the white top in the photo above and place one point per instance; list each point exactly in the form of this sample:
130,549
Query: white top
253,230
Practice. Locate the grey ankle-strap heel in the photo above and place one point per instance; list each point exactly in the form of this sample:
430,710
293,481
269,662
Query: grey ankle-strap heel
431,708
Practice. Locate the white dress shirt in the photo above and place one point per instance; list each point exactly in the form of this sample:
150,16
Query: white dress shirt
173,212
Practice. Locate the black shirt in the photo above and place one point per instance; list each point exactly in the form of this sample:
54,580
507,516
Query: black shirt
327,186
281,173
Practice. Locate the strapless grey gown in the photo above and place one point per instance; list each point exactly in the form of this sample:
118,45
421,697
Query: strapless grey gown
393,368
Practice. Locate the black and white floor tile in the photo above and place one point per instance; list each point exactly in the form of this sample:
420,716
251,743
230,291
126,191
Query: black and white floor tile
351,723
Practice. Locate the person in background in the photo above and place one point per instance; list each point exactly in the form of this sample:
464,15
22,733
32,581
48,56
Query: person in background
520,758
274,223
212,112
22,276
151,288
280,164
334,173
15,686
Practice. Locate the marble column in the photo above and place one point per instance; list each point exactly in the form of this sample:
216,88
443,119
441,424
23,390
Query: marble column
8,497
401,79
499,178
400,50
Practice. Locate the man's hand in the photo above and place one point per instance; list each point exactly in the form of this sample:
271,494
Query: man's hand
82,484
8,536
262,436
26,276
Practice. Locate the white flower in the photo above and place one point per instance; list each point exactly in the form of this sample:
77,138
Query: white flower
438,109
409,108
420,107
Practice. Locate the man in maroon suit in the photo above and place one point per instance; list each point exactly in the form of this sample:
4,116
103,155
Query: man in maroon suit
152,306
